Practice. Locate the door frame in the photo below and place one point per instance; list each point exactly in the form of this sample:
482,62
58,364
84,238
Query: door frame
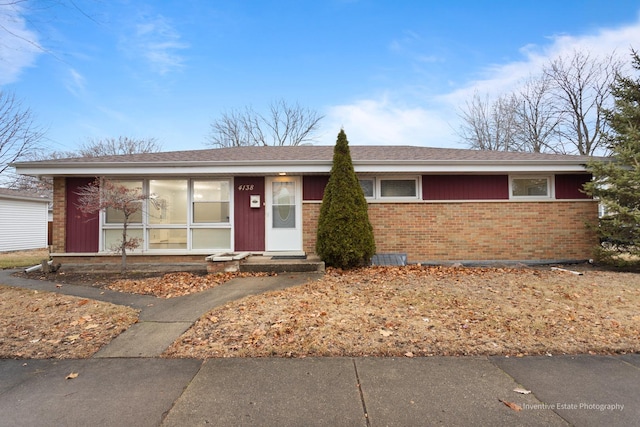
291,239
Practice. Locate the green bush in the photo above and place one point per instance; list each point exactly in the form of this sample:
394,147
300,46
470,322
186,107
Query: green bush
345,235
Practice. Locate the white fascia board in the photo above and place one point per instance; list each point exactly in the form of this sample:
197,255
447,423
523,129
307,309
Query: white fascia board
175,170
289,167
470,167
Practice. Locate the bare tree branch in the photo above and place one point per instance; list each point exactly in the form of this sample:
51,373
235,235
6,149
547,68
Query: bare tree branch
118,146
19,135
489,125
285,125
582,86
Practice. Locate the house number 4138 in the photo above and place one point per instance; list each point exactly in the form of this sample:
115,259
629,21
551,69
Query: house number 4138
245,187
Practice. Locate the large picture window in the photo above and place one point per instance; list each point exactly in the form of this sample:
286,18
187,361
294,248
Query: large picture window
179,214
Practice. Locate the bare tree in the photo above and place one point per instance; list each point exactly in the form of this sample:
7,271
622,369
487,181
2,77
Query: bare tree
582,91
116,146
489,125
19,134
285,125
537,121
106,194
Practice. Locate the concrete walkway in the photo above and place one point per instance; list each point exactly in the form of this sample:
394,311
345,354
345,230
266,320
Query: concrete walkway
126,385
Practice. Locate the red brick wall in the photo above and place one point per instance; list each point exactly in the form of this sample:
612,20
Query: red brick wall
59,215
524,231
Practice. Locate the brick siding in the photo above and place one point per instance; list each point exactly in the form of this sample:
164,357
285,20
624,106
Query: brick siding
59,215
525,231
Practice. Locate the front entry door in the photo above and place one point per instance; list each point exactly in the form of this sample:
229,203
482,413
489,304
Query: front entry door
284,214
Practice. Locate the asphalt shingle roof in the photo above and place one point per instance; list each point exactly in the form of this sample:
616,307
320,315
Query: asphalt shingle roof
319,153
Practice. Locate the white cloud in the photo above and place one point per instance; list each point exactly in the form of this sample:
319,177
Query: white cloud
388,120
19,46
75,83
384,122
159,43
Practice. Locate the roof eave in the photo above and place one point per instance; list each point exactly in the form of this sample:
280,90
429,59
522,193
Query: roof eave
293,166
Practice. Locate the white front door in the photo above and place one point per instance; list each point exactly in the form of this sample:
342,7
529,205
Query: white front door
284,213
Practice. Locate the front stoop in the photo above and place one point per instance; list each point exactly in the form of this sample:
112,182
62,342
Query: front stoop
263,263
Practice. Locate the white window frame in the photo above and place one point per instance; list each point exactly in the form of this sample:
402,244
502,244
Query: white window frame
413,178
369,178
377,186
190,225
550,187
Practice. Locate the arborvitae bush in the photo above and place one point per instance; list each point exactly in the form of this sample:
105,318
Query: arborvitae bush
345,236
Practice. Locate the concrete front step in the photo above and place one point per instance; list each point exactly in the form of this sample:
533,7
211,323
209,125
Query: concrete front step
265,263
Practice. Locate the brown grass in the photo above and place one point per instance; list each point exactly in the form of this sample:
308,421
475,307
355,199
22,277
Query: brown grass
39,325
18,259
415,311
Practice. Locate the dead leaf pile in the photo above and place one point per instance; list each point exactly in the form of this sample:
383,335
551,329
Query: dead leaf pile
175,284
38,325
422,311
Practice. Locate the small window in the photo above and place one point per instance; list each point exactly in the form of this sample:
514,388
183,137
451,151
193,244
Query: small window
398,188
368,186
537,187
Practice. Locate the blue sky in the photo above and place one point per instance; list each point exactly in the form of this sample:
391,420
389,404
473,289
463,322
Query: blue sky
389,72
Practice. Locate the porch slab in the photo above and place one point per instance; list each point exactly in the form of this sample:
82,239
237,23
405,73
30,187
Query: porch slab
266,263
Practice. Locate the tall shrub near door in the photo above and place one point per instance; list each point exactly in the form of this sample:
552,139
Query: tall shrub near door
345,235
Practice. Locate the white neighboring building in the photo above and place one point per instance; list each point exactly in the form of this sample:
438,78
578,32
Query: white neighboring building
24,220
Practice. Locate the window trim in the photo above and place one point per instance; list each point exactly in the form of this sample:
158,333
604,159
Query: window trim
550,187
377,187
414,178
145,226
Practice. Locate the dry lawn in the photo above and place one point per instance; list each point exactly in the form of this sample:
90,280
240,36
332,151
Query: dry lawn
418,311
27,258
380,311
42,325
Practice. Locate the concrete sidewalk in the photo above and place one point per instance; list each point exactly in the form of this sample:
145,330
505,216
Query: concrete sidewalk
580,391
123,386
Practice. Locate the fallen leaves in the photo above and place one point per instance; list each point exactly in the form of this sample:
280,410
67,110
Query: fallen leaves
39,325
172,285
511,405
415,311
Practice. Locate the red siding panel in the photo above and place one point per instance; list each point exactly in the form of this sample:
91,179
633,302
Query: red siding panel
313,186
569,186
249,223
465,187
83,230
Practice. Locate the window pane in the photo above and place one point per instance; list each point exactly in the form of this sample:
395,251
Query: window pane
211,238
398,188
168,201
367,187
284,204
529,187
113,238
115,216
211,191
168,238
211,212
